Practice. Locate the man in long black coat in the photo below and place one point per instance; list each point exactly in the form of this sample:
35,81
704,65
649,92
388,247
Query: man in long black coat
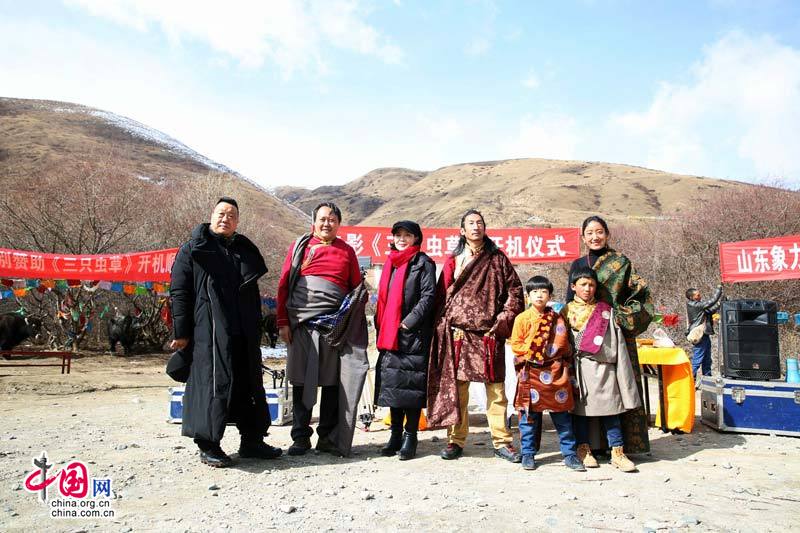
217,320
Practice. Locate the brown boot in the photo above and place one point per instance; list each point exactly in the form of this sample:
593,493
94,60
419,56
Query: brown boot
619,460
585,455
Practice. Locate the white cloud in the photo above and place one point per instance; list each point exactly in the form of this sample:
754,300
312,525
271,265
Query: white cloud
548,135
514,34
483,33
478,46
743,102
442,129
261,141
531,81
292,34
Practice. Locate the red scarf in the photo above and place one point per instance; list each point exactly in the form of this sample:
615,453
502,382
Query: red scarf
390,298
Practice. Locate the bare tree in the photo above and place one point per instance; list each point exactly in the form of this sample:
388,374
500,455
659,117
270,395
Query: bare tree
76,208
683,252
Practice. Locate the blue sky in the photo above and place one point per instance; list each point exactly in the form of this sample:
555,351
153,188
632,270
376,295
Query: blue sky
320,92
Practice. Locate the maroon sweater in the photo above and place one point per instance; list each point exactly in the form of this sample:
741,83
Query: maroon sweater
336,263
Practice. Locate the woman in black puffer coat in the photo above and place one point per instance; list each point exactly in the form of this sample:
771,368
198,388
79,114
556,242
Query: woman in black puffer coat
404,324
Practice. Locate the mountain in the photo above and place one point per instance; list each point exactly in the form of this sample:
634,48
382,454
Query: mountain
52,145
362,196
514,193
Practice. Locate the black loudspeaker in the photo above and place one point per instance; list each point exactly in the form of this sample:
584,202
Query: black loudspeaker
749,338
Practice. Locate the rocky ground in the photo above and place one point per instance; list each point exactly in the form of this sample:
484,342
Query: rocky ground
110,413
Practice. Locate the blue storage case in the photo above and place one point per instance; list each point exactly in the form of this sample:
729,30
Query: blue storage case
279,402
768,407
175,405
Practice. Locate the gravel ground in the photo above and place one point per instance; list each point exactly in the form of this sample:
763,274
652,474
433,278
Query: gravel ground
110,414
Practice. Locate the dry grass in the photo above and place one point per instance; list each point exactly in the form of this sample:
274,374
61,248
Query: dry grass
33,136
518,192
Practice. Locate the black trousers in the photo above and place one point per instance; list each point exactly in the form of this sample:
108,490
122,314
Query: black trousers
328,413
411,416
249,419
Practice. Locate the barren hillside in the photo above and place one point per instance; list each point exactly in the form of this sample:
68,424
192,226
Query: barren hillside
517,192
42,142
361,197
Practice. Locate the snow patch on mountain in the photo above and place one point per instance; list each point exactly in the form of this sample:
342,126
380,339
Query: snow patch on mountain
171,144
138,129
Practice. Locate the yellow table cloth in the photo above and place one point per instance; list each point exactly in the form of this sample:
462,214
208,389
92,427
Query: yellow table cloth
676,369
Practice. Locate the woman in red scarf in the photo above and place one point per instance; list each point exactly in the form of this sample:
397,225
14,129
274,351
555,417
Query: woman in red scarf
404,324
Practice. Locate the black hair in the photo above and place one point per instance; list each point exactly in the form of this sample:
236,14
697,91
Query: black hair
690,293
584,271
488,244
227,200
539,282
411,227
594,218
330,205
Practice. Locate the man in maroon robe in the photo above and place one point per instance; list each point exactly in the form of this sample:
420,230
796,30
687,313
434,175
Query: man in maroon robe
478,296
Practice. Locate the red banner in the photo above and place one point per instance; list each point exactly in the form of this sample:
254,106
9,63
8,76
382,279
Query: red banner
140,266
761,260
521,245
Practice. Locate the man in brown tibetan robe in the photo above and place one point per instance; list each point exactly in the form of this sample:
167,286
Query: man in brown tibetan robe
478,296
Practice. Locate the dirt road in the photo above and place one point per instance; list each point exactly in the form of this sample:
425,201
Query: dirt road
110,414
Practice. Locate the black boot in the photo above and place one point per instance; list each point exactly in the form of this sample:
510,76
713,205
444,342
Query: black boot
300,446
258,449
409,448
394,444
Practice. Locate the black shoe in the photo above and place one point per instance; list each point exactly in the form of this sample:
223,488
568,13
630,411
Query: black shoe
394,444
258,450
325,445
215,457
409,448
508,453
453,451
300,446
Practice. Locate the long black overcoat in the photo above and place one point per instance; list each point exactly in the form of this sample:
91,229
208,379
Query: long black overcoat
401,376
196,287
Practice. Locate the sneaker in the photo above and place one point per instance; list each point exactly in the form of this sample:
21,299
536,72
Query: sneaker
300,446
573,463
215,457
453,451
259,450
509,453
528,462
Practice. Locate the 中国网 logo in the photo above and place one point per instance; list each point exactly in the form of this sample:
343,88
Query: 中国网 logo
71,496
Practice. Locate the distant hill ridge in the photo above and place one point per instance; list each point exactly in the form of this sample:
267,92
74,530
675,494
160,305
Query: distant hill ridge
514,192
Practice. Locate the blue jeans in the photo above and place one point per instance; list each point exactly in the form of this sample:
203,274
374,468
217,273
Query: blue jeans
701,356
611,423
563,424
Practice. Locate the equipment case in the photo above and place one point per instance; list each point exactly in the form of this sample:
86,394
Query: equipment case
768,407
279,403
